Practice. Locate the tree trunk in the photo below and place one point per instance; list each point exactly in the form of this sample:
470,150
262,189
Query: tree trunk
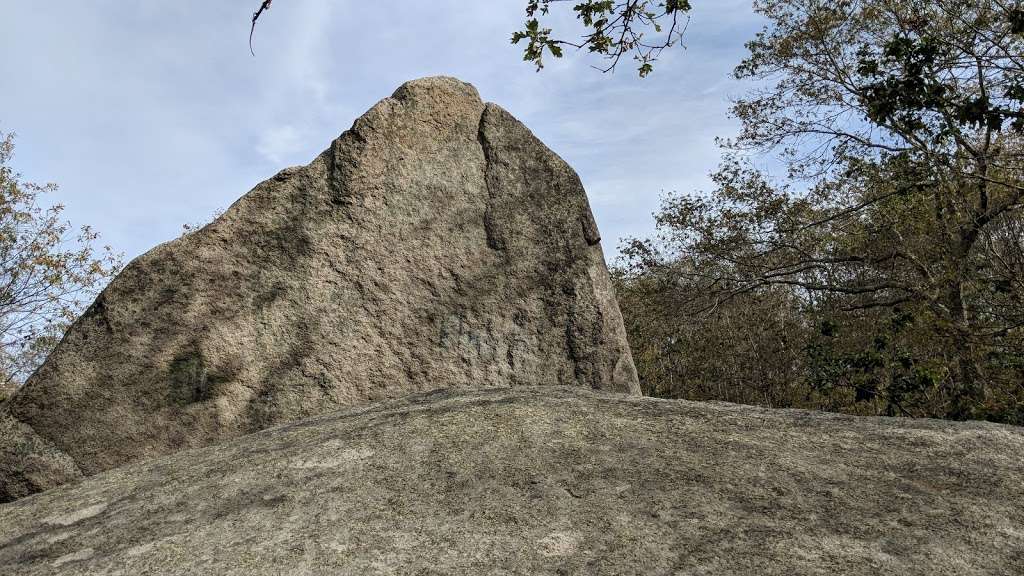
967,393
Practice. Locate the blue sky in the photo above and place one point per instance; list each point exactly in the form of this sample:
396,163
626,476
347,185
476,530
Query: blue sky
150,115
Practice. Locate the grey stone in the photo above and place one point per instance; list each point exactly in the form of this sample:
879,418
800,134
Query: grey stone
7,389
547,480
437,243
29,463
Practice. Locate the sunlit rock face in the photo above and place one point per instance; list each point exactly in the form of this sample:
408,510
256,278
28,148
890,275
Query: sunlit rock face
435,244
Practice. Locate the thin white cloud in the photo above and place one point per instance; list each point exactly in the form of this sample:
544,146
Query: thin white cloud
279,144
154,114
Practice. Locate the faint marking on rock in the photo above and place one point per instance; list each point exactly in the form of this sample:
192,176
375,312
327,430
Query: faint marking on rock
572,492
79,556
334,459
77,516
558,544
141,549
59,536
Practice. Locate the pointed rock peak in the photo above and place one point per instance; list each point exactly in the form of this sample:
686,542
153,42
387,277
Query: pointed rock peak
436,244
437,101
438,90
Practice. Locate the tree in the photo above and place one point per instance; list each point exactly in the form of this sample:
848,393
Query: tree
47,271
899,223
749,350
613,29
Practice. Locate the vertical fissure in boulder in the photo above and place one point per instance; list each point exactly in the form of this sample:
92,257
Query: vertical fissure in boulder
494,240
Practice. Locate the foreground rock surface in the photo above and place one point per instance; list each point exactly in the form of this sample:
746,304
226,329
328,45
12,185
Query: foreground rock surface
436,241
547,481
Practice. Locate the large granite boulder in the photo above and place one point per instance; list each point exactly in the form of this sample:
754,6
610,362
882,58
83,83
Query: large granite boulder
553,480
437,243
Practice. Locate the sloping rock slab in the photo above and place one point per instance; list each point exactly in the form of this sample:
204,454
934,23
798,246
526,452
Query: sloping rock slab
437,240
547,481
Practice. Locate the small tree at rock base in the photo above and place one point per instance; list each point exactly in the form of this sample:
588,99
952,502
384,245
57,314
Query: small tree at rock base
48,271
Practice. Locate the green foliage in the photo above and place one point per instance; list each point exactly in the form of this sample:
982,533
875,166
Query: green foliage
612,30
895,245
47,271
881,366
748,350
899,85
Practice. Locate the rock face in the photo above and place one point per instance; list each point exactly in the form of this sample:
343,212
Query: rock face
437,243
29,463
547,480
6,390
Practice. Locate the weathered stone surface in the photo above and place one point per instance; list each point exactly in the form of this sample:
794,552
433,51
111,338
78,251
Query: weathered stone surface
6,390
552,480
437,243
29,463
